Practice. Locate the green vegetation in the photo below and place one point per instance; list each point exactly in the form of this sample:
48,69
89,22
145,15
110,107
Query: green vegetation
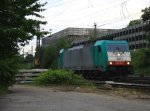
146,18
3,89
61,77
140,58
49,57
141,61
49,54
26,62
134,22
8,70
26,66
16,29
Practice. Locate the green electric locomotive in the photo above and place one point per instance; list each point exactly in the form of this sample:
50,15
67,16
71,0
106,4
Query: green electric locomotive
101,58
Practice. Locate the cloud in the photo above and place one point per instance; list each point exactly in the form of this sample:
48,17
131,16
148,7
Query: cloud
61,14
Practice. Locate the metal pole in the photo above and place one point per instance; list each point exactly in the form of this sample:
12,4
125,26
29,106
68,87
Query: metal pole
37,58
95,31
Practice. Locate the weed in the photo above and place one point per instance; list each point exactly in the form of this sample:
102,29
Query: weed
61,77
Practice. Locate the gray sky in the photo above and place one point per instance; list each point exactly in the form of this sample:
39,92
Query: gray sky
108,14
61,14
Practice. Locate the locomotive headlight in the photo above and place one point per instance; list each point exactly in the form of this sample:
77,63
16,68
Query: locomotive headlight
128,63
118,54
110,63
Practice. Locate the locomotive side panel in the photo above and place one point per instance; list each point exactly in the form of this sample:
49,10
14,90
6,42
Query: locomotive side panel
87,61
75,59
66,60
78,58
72,58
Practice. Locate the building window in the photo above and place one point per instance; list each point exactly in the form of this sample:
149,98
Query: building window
140,45
144,36
127,32
130,31
130,47
137,38
140,37
120,33
133,30
137,46
129,39
144,45
133,47
140,29
123,32
136,29
133,39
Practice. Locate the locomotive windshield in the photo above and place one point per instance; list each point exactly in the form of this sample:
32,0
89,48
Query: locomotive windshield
117,47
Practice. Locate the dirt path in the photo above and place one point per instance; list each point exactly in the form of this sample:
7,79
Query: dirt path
29,98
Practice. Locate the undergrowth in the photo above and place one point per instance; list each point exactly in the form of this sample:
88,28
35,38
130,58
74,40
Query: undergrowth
61,77
3,89
141,61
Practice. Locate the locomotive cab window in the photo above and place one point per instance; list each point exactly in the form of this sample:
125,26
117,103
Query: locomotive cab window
99,48
117,47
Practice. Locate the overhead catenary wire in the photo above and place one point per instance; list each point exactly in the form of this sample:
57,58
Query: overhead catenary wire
119,19
94,6
107,22
127,9
64,10
95,13
56,5
90,3
115,20
122,7
122,18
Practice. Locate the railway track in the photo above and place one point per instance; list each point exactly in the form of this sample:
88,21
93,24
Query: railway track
27,76
122,84
135,79
131,81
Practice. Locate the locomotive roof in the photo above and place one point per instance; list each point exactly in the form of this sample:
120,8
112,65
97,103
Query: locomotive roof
99,42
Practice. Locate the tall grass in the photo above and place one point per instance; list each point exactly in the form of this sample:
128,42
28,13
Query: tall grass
3,89
61,77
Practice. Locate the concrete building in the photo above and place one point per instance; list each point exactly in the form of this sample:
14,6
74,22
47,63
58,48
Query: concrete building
134,35
73,35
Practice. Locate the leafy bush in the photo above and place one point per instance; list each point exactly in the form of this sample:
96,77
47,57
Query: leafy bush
49,57
3,89
49,54
141,60
8,70
26,66
61,77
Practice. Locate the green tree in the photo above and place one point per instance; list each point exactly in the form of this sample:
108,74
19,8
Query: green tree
134,22
49,56
50,53
29,58
141,60
16,28
146,19
8,69
62,43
